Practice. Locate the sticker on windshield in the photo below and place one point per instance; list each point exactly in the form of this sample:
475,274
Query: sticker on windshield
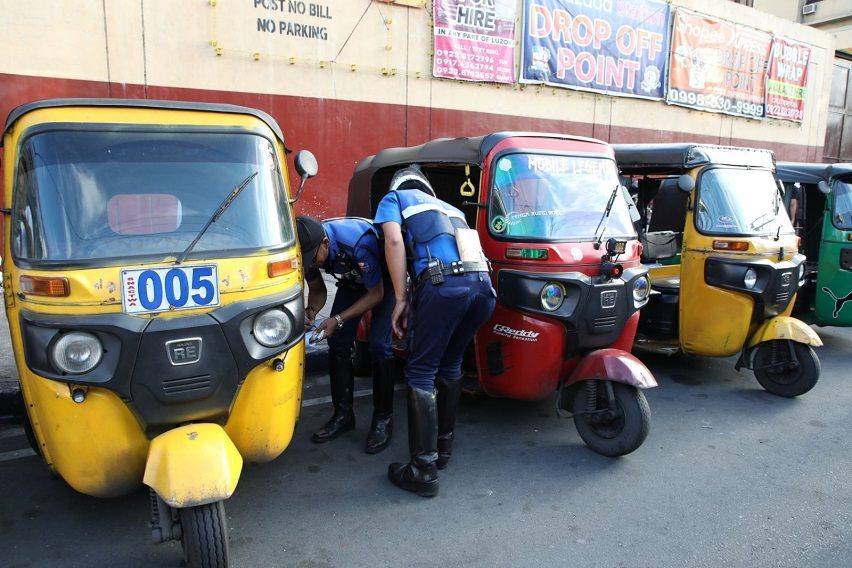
498,224
152,290
504,165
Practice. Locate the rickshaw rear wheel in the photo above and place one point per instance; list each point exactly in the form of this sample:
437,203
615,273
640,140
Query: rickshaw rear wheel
780,376
204,531
621,432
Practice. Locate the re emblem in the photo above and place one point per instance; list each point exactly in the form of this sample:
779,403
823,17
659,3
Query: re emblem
184,351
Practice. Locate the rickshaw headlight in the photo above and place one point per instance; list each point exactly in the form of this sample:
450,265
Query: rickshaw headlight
641,289
76,353
272,327
552,296
750,278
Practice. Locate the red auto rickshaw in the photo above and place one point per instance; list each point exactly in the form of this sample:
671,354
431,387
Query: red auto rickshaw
558,230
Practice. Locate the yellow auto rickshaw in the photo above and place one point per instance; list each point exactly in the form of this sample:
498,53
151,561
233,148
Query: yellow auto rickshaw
153,292
723,259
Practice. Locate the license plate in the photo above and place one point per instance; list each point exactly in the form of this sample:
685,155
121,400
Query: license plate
152,290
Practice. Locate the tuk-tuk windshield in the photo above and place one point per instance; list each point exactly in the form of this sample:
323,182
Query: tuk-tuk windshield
100,197
739,201
555,197
842,215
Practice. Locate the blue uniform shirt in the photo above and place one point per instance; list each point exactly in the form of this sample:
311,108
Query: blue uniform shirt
354,254
442,246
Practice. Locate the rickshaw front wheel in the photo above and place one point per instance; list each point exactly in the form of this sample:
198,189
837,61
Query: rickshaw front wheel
204,535
611,430
778,372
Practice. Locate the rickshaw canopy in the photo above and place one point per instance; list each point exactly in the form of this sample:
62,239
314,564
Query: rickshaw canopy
21,110
450,151
678,157
811,173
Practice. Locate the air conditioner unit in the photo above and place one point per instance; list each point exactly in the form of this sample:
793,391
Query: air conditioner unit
809,9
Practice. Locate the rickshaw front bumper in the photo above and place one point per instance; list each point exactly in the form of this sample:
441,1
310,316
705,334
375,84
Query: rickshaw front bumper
775,285
594,310
140,363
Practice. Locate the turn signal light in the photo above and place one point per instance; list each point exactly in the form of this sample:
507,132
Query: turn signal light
527,253
281,267
44,286
731,245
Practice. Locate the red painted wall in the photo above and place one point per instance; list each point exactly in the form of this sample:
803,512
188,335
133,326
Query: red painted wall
341,133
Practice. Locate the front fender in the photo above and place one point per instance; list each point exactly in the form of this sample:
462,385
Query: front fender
193,465
785,327
613,365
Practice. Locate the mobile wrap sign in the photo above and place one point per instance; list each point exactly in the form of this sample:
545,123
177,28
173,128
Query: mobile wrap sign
787,79
475,40
717,65
618,47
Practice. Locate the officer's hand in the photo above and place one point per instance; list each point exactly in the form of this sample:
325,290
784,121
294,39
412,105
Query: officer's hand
310,317
399,319
329,326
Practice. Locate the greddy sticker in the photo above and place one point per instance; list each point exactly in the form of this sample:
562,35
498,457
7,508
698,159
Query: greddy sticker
521,334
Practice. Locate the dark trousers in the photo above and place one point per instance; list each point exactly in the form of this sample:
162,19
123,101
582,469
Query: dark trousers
444,318
340,344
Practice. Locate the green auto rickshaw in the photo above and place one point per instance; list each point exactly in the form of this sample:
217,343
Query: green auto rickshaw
819,199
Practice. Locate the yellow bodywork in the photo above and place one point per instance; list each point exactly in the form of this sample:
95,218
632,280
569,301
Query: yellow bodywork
714,321
100,446
785,327
267,407
193,465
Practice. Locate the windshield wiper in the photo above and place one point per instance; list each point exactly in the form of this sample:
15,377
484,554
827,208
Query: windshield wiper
605,218
215,217
755,226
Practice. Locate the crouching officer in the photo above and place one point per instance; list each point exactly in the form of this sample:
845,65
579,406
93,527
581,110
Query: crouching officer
451,298
348,249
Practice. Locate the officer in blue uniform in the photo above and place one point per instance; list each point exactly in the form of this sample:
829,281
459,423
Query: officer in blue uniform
348,249
450,300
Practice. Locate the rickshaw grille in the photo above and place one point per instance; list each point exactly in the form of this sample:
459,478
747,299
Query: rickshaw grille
604,322
175,387
782,298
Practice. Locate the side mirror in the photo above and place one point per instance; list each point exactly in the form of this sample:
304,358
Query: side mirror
685,183
307,167
824,187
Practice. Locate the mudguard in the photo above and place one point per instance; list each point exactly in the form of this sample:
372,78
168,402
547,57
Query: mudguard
193,465
785,327
613,365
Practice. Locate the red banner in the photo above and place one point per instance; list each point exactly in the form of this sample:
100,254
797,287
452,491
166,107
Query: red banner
718,65
787,80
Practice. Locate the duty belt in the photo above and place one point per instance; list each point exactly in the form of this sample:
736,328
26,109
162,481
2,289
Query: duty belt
437,272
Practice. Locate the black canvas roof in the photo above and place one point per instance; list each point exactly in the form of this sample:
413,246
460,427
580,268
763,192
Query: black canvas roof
469,150
804,172
19,111
671,158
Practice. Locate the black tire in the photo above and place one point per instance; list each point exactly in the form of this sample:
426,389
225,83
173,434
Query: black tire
788,383
622,435
361,360
204,532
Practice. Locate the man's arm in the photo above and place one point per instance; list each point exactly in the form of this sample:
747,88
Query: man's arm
395,258
317,295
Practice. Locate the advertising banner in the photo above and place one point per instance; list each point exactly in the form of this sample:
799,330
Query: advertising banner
475,40
717,65
787,79
617,47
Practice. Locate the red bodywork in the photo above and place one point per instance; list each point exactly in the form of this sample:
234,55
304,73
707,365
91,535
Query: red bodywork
535,364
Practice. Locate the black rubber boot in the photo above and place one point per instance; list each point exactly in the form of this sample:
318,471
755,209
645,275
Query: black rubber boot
342,378
381,428
449,391
420,475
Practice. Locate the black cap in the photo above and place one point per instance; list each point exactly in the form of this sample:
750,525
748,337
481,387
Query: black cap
311,234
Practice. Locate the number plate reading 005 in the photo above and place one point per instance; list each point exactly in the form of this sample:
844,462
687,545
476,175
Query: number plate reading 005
174,288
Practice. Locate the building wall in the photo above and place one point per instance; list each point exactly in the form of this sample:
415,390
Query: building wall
364,83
